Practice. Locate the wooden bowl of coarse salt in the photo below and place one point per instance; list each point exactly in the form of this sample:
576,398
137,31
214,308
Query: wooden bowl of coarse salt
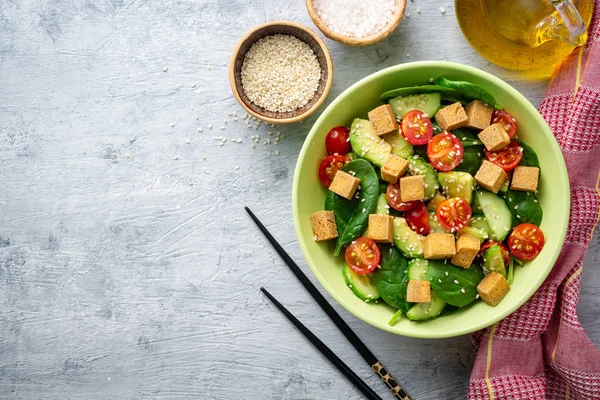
356,22
280,72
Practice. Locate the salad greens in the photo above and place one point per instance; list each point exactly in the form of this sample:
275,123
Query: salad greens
391,279
455,285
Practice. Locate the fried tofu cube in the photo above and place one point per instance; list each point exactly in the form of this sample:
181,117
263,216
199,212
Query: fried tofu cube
418,292
412,188
494,137
451,117
479,114
493,288
490,176
393,168
383,119
323,225
381,228
344,184
525,179
438,246
467,247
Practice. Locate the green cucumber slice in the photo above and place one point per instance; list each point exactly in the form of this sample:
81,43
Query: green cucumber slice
429,103
493,261
417,269
408,241
418,166
367,144
360,285
497,214
423,311
457,184
400,146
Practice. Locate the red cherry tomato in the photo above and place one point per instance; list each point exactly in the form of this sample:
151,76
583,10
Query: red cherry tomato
392,195
329,167
418,219
454,213
489,243
507,121
338,141
417,128
507,158
445,151
363,255
526,241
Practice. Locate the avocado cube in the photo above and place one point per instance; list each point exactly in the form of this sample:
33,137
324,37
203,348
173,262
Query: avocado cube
490,176
393,168
418,292
493,288
323,225
438,246
467,247
383,119
344,184
381,228
412,188
494,137
525,179
479,114
451,117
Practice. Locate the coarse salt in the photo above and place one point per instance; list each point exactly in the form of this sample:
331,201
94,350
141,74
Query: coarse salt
356,18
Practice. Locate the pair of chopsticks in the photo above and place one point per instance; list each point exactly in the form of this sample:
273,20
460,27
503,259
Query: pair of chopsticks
369,357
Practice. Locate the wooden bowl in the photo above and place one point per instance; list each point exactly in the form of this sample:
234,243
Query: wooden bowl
284,28
352,41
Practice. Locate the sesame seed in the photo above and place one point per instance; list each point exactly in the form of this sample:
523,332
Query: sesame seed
165,69
172,124
462,290
443,10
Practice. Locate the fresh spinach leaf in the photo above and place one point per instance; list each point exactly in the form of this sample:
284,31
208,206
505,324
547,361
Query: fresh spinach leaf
530,158
467,138
524,207
421,151
455,285
352,216
472,159
407,91
391,280
468,90
383,185
449,310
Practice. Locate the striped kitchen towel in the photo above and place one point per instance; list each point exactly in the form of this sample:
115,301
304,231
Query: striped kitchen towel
541,351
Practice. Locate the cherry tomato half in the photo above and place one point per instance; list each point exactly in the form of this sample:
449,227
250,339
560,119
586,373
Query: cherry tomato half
330,166
526,241
445,151
392,194
417,128
508,121
363,255
338,141
507,158
454,213
489,243
418,219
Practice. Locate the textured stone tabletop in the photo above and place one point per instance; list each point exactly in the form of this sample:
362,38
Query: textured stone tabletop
128,268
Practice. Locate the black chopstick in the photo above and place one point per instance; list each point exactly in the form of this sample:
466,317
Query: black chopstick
322,347
369,357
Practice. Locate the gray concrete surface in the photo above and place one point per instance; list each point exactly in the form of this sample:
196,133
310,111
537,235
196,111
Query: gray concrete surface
128,273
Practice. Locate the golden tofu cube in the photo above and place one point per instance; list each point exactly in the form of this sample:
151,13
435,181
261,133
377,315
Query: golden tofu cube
467,247
393,169
412,188
525,179
451,117
494,137
344,184
381,228
383,119
490,176
493,288
418,292
479,114
323,225
438,246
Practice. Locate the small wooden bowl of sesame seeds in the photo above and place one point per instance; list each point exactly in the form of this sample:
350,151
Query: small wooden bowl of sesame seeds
280,72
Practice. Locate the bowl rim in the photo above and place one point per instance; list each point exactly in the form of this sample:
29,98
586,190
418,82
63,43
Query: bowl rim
352,41
320,100
563,221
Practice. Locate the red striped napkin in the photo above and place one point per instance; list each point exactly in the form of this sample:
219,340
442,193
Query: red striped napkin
541,351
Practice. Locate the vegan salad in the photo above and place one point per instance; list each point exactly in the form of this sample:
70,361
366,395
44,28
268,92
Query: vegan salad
433,200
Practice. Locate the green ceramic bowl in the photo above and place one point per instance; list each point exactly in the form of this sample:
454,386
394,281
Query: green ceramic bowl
308,196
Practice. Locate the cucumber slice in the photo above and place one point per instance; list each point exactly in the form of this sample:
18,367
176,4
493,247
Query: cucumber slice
480,234
435,225
400,146
406,91
423,311
435,201
417,269
382,205
497,214
408,241
367,144
418,166
360,285
457,184
429,103
493,261
504,188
